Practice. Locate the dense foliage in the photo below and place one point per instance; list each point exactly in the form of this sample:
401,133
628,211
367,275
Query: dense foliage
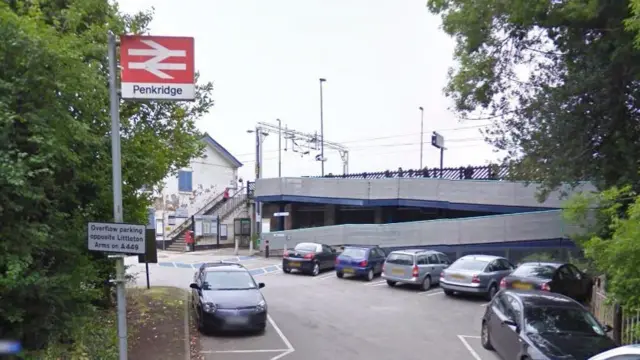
55,158
559,81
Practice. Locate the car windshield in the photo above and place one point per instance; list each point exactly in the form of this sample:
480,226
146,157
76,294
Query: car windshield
468,264
228,280
354,252
541,320
306,247
400,259
540,271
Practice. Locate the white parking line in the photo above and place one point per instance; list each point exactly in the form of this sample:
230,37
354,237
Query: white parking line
431,293
325,276
377,283
283,352
469,348
286,341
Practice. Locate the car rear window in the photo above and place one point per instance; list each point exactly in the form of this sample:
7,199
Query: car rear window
535,271
306,247
400,259
468,264
355,252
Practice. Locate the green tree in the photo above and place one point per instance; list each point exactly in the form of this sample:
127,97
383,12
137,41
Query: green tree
559,81
611,241
55,158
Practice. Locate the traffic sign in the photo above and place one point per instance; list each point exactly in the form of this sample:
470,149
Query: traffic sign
278,214
157,67
116,238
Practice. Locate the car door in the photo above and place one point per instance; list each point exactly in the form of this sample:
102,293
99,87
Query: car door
584,284
513,342
196,297
423,265
565,283
575,283
497,329
504,269
434,266
379,259
325,257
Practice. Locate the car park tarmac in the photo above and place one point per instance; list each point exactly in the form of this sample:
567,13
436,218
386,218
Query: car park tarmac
324,317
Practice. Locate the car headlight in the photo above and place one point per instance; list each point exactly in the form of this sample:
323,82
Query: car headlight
262,306
209,307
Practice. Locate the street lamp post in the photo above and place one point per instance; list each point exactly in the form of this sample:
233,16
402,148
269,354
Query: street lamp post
421,135
279,148
322,80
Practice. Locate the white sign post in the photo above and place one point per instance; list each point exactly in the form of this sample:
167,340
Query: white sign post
116,238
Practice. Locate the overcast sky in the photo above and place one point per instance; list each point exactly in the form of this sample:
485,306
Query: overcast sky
382,60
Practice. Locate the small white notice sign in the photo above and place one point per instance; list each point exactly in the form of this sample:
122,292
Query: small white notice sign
118,238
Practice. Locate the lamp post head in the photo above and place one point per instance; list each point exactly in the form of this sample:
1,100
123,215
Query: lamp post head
420,108
250,131
323,79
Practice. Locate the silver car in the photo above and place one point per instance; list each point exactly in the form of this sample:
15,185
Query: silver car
414,266
475,274
627,352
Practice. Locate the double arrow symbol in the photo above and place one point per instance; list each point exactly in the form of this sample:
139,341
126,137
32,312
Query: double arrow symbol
154,64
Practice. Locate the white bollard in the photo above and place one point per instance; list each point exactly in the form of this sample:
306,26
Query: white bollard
235,250
251,247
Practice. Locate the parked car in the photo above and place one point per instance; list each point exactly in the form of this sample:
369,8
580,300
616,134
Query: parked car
310,258
543,326
225,297
361,261
414,266
560,278
627,352
475,274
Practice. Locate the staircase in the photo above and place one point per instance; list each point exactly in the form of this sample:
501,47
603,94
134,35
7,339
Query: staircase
216,207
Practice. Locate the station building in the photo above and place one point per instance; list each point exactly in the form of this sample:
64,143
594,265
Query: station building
457,211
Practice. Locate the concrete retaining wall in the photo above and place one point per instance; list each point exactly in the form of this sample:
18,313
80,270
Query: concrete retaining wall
541,225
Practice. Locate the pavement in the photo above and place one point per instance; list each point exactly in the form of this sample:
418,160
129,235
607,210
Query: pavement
323,317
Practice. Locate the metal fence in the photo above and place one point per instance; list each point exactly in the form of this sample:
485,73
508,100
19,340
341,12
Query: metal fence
625,324
489,172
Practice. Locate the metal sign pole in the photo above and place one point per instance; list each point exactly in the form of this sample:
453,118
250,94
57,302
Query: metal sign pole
117,191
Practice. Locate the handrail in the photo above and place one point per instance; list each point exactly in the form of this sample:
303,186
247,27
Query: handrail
489,172
213,202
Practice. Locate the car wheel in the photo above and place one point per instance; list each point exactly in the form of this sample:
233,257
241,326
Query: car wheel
426,283
286,270
316,269
448,292
370,275
339,274
391,283
493,289
485,338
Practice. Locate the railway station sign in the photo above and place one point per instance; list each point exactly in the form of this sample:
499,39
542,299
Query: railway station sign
157,67
116,238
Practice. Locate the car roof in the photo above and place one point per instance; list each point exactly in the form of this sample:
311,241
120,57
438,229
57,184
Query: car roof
360,246
544,298
542,263
487,258
413,251
222,266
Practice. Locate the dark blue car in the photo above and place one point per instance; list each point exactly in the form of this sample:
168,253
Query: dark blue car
360,261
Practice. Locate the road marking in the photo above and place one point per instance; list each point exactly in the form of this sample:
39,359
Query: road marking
325,276
469,348
243,351
430,292
284,340
483,305
377,283
283,352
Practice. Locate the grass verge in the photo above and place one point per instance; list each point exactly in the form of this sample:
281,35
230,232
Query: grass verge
156,330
